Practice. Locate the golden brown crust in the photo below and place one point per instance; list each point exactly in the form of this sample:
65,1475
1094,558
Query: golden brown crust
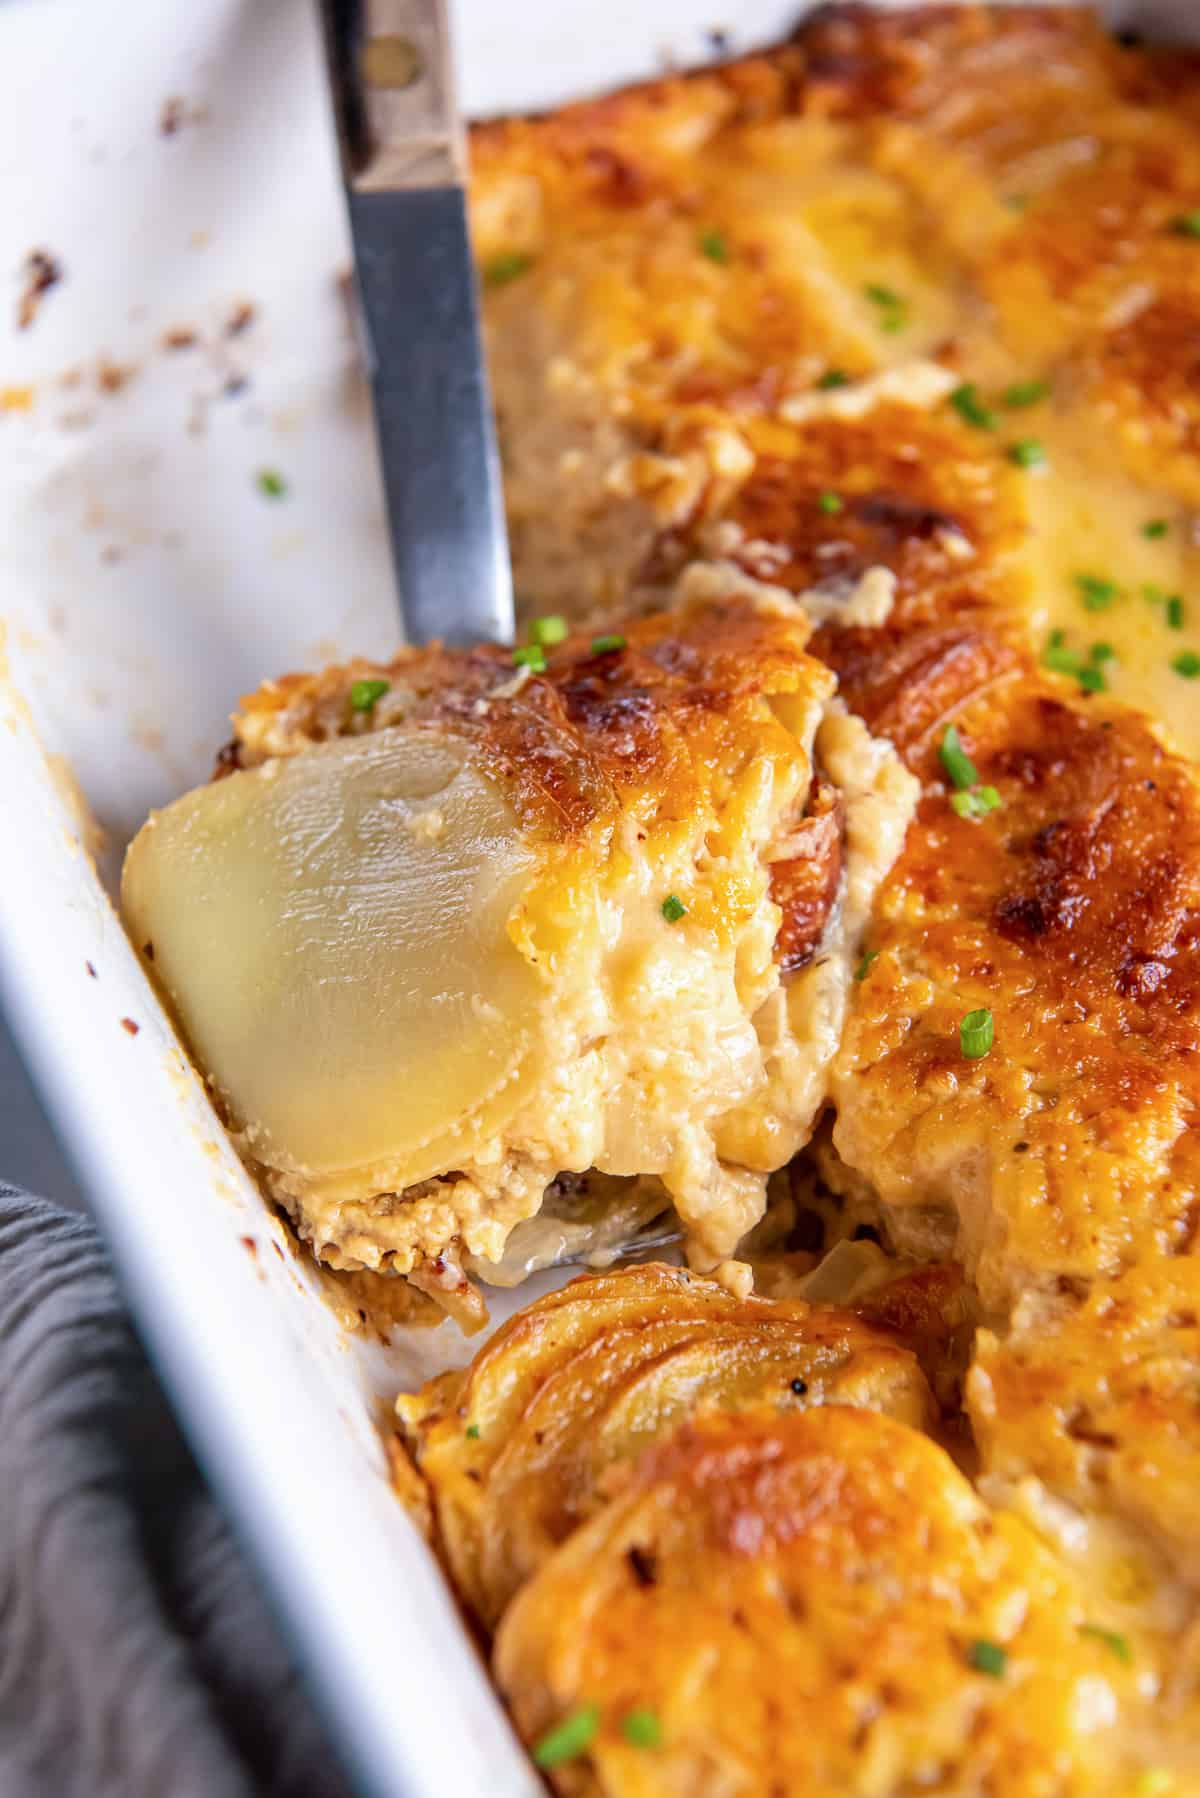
648,726
1071,913
702,251
1099,1404
798,1601
527,1443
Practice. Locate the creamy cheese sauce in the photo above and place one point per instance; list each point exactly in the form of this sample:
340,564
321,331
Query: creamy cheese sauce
1087,516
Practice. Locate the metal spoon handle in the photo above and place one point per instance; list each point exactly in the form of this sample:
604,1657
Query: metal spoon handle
404,162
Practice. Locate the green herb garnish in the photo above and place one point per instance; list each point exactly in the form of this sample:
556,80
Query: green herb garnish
971,409
1092,680
364,694
1187,224
714,246
1024,393
546,631
976,1034
831,502
568,1739
956,761
473,1432
1102,652
605,646
986,1657
641,1728
882,296
864,966
833,377
271,482
1119,1645
532,656
1155,527
1175,612
1187,664
673,908
976,803
1062,660
893,308
1027,452
1096,592
506,267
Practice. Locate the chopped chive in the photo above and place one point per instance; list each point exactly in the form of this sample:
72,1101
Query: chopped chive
1187,664
1096,592
473,1432
548,630
977,803
1187,224
1153,594
1057,639
568,1739
976,1034
970,408
673,908
364,694
831,502
1091,680
506,267
714,246
1155,527
1119,1645
271,482
1062,661
956,761
1175,612
1102,652
893,308
641,1728
987,1657
530,655
1024,393
833,377
1027,452
864,966
604,646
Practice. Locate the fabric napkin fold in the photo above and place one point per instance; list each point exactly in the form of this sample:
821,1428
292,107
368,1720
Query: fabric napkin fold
137,1657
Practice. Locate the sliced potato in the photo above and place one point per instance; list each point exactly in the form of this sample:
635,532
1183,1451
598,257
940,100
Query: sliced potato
386,868
814,1604
527,1443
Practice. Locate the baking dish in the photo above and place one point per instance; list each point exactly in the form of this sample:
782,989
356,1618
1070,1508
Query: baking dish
194,358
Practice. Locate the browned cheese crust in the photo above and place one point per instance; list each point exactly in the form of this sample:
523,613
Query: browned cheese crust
525,1444
742,291
801,1602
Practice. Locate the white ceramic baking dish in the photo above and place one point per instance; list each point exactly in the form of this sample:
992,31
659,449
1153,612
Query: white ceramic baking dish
178,166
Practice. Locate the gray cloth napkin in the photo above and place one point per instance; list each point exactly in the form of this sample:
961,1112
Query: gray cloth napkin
137,1659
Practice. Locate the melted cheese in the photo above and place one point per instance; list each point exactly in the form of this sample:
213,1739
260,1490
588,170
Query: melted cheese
425,962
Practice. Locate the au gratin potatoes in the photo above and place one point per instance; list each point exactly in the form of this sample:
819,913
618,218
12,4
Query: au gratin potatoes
816,886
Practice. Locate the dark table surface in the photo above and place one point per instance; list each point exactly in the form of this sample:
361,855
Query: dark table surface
29,1153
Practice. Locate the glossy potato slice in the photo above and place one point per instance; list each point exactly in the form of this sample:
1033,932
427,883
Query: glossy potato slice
812,1604
527,1442
385,867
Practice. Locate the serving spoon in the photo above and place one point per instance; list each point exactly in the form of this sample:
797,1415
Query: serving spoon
404,167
